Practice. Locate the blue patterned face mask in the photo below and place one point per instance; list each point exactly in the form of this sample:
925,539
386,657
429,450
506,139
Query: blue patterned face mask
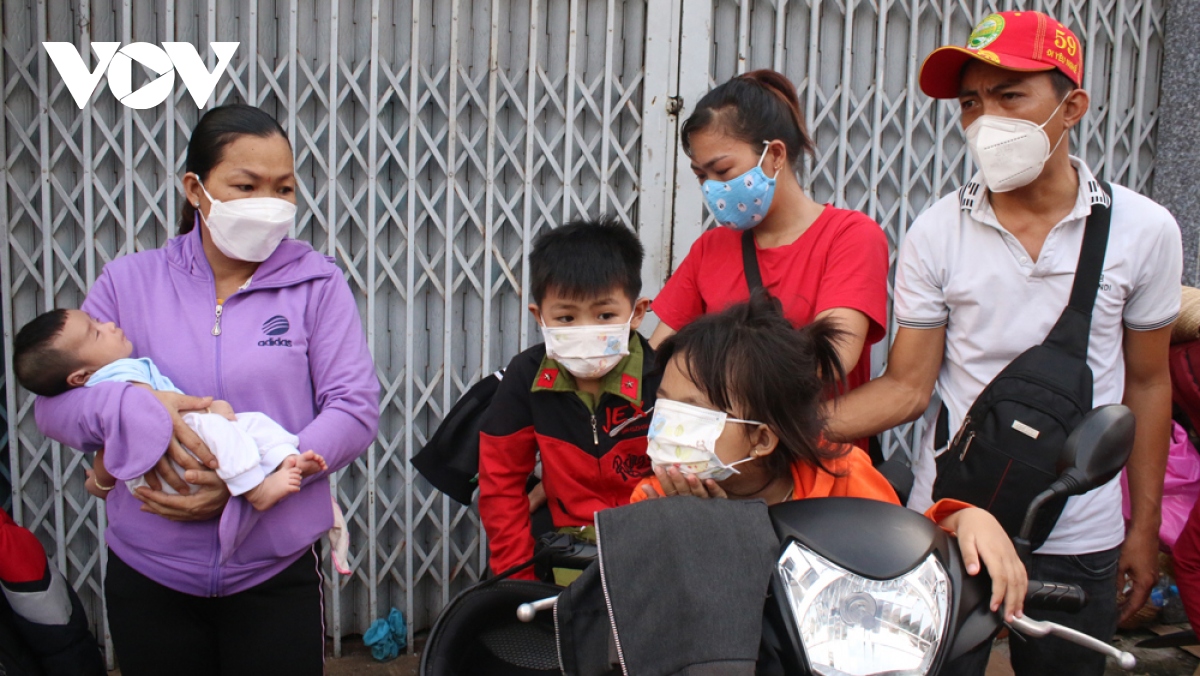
742,203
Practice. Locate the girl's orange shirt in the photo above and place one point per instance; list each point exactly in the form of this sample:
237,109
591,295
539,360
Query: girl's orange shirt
852,476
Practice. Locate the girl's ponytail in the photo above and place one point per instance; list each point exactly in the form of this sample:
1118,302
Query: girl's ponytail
822,338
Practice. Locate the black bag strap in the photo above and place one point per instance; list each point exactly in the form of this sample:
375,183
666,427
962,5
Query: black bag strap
1071,331
750,262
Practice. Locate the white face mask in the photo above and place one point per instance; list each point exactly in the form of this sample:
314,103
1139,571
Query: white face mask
248,229
686,435
588,351
1010,152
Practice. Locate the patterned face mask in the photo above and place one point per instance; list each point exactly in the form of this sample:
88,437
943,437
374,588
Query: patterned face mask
686,435
588,351
742,203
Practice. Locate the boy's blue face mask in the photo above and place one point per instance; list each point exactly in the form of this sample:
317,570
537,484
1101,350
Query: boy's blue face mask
742,203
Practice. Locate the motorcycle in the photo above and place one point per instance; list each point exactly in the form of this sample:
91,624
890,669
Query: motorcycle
894,599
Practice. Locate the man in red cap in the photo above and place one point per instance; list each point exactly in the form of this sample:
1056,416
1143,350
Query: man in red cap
984,274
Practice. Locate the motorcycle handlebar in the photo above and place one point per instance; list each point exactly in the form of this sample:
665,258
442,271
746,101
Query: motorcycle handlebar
562,550
579,556
1068,598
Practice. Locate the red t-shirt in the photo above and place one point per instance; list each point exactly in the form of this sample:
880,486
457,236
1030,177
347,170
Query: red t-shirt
840,261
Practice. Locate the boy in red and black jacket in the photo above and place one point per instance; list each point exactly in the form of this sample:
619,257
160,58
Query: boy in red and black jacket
580,399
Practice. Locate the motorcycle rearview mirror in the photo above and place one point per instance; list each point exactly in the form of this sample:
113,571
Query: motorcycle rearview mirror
1094,453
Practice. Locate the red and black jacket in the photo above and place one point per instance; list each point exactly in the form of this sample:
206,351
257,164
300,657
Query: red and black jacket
43,627
584,468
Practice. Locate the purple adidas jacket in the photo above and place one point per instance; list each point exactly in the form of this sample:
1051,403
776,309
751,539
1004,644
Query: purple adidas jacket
291,346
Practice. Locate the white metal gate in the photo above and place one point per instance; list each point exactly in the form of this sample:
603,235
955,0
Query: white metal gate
434,141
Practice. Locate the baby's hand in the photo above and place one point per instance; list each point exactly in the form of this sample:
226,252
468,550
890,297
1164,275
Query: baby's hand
310,463
223,409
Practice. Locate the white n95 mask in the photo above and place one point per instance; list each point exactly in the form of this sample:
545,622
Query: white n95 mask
686,435
588,351
251,228
1010,152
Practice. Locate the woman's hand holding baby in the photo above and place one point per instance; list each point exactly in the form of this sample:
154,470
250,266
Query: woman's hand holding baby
207,495
183,439
207,500
99,482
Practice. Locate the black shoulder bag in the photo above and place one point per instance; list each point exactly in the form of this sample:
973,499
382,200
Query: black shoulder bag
450,459
1007,450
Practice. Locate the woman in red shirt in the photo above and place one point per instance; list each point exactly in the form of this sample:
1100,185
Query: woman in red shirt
746,139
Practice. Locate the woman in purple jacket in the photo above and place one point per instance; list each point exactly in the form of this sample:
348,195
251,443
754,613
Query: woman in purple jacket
232,310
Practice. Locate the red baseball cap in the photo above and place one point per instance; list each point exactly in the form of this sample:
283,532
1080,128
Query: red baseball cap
1022,41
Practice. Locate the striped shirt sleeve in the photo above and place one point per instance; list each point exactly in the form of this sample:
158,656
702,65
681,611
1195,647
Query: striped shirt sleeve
920,299
1153,303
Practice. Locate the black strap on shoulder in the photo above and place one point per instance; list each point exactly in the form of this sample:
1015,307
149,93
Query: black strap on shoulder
750,262
1073,328
1091,255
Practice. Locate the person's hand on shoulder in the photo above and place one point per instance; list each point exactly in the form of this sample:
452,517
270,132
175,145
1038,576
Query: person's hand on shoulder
982,539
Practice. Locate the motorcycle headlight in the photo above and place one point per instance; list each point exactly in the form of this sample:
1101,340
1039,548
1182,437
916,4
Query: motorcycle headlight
854,626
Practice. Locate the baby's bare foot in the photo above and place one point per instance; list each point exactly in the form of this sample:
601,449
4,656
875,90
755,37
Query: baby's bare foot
310,463
277,486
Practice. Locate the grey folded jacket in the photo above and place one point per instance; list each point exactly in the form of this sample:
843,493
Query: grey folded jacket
682,581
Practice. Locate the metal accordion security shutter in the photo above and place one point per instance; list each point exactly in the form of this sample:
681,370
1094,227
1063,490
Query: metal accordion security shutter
433,142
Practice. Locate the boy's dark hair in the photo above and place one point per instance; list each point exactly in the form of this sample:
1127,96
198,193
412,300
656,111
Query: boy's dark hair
751,362
39,367
753,107
216,129
583,259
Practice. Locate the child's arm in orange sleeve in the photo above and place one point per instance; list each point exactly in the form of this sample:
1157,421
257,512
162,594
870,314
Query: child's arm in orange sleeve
639,492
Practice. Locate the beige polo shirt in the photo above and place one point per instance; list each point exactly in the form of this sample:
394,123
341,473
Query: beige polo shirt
960,268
